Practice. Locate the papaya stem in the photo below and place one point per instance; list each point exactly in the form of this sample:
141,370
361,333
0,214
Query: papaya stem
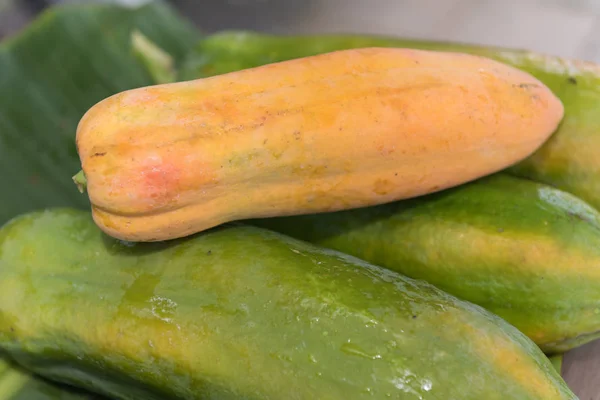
556,361
158,63
81,181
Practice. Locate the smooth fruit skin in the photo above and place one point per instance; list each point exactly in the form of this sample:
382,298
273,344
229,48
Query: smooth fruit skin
525,251
335,131
568,160
239,312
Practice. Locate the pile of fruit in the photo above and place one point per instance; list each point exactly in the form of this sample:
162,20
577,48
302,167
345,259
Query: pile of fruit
320,218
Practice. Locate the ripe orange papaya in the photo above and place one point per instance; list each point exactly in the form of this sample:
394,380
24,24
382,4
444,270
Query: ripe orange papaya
567,160
334,131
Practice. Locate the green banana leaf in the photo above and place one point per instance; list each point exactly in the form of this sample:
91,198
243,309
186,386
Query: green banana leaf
68,59
65,61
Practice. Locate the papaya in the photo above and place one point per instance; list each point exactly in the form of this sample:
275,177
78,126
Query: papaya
523,250
328,132
240,312
567,160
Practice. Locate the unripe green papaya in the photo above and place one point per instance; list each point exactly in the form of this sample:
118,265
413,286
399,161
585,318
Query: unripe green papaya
526,251
239,312
568,160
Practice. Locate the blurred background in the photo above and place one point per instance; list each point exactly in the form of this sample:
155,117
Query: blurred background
568,28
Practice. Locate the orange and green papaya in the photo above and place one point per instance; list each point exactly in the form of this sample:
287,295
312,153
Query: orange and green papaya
167,161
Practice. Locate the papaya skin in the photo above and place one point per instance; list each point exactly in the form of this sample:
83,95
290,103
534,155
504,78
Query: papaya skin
335,131
567,160
240,312
526,251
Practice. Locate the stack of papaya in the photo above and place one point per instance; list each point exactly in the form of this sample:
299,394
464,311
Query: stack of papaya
331,217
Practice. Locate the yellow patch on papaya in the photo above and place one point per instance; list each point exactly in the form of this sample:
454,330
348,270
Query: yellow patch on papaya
525,252
509,359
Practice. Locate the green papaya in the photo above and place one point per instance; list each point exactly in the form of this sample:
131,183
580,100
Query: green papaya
568,160
240,312
526,251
